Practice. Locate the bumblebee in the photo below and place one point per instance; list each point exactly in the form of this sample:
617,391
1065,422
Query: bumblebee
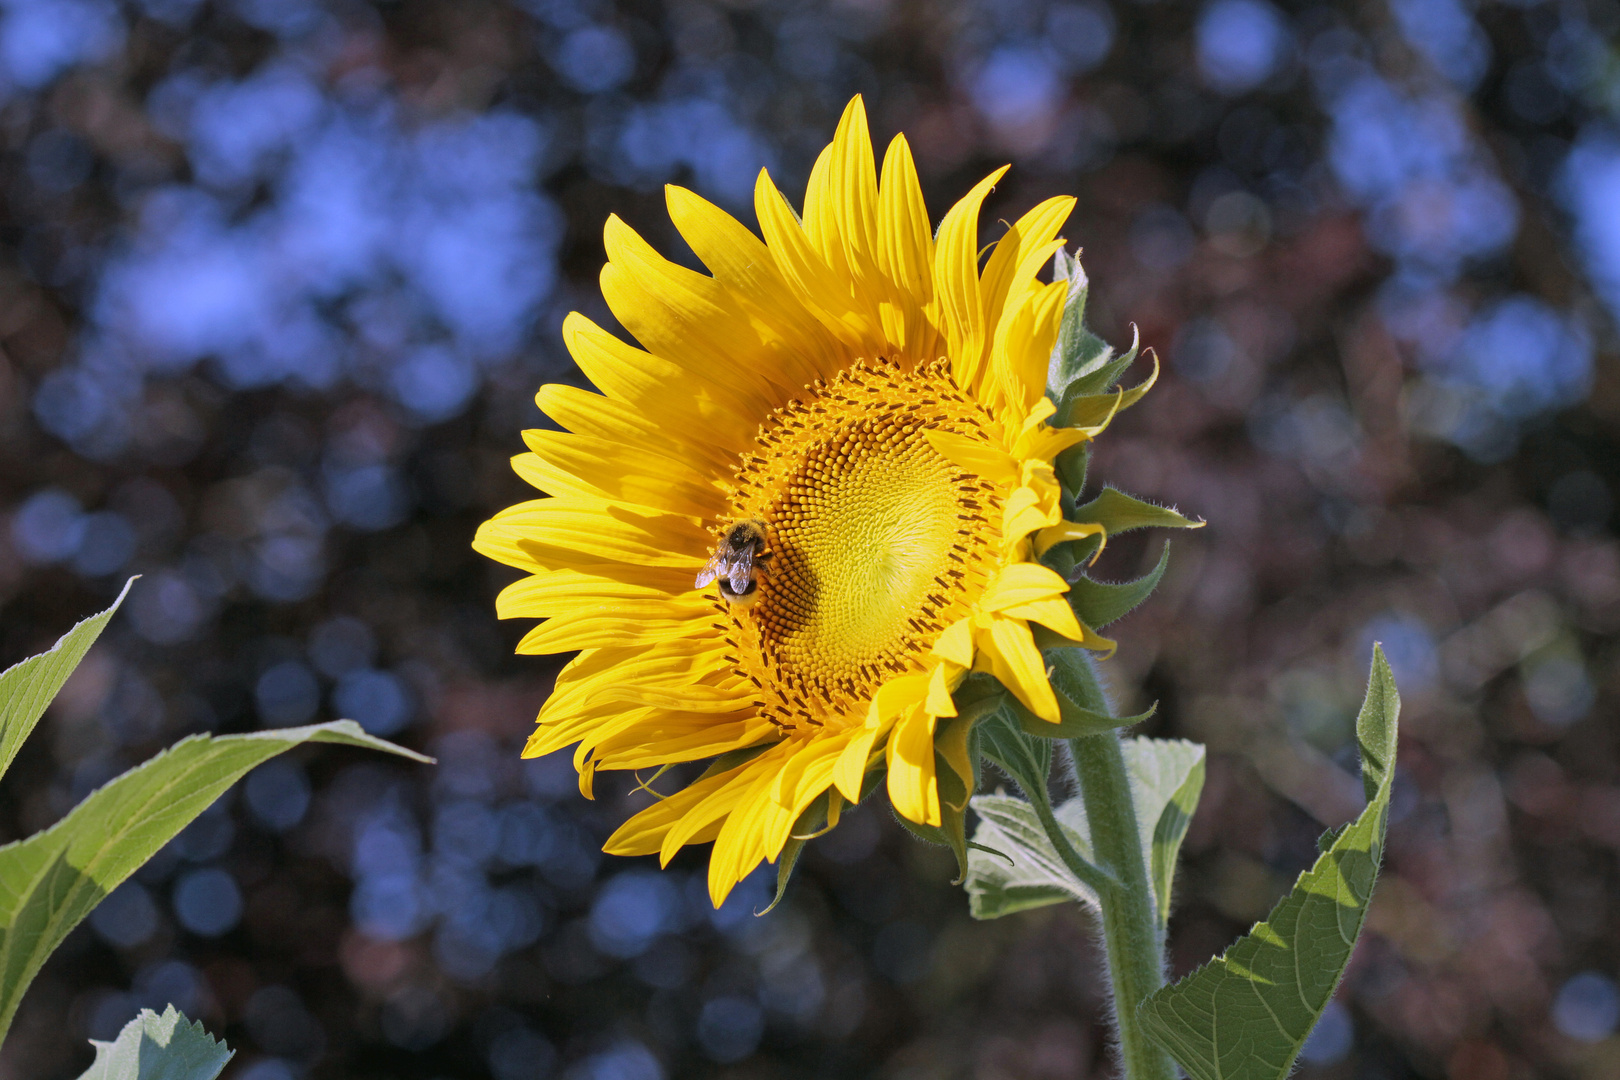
737,560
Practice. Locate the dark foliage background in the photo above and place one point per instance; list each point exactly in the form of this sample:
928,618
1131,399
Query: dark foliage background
278,279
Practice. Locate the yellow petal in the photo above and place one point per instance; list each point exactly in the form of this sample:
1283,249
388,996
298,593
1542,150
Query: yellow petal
895,695
1022,583
602,417
740,845
941,681
1017,663
1026,511
1053,535
685,317
728,698
905,251
506,545
644,833
956,644
974,455
1025,336
616,472
664,737
642,381
853,195
558,533
809,773
626,622
956,281
805,270
742,263
912,789
1054,613
850,772
1004,278
540,595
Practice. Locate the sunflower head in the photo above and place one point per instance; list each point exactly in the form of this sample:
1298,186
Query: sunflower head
823,491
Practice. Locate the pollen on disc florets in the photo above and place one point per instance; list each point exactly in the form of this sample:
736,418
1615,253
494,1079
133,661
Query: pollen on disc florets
876,541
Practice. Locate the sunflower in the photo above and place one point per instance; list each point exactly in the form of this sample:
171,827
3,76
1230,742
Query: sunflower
855,385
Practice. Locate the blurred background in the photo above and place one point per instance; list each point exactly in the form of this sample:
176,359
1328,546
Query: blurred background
278,279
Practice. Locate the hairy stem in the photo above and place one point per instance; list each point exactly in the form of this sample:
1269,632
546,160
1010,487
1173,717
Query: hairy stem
1078,866
1131,931
1130,921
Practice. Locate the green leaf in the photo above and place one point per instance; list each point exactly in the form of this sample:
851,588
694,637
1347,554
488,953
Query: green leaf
1167,776
1166,779
1118,512
153,1047
27,689
1098,603
51,880
1246,1014
1013,866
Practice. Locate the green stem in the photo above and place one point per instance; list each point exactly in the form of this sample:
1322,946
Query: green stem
1130,919
1078,866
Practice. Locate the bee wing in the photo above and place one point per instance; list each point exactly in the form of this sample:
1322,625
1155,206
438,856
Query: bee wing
742,567
713,569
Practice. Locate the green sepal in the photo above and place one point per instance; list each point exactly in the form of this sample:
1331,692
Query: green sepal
1081,711
814,822
1077,722
733,758
1082,551
873,776
1059,559
1118,512
1098,603
1095,410
1073,676
950,833
1027,760
1092,398
1083,368
785,862
1077,353
1247,1014
1071,466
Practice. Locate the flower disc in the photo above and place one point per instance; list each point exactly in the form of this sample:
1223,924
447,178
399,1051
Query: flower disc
873,537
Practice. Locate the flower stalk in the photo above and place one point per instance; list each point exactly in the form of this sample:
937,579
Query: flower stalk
1131,932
